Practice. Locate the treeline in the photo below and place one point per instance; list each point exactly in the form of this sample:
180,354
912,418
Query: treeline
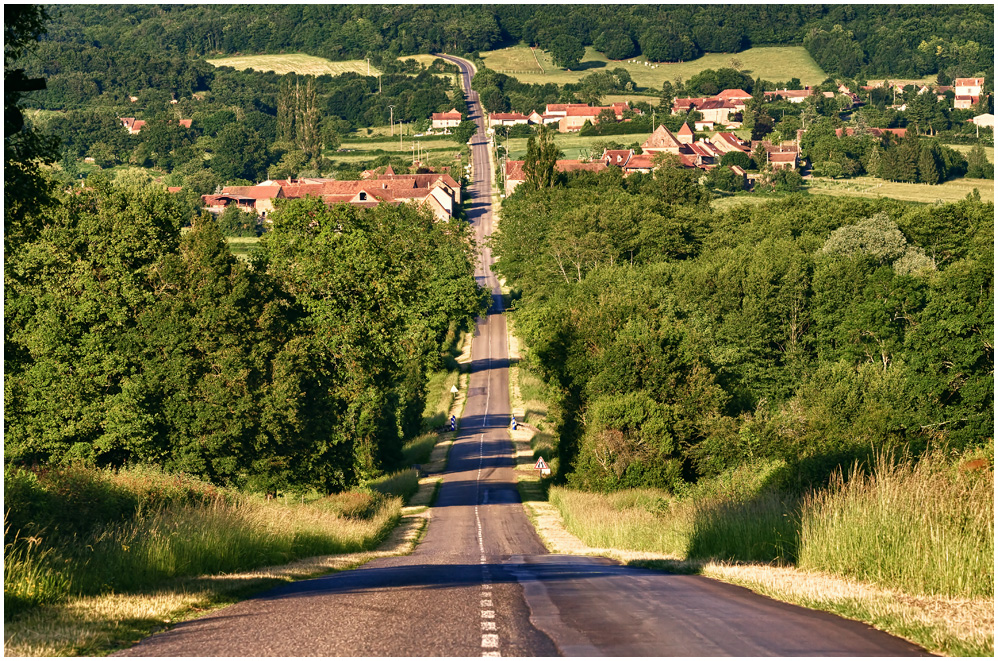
680,342
847,40
239,131
130,342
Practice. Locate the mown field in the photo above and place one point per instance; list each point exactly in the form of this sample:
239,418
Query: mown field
949,191
773,63
573,145
965,149
295,63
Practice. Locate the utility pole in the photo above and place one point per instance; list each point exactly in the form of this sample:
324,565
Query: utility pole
368,65
391,120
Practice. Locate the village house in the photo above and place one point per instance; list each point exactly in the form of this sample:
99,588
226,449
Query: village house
445,120
715,110
627,160
436,191
968,86
725,141
507,119
662,140
573,116
987,119
133,125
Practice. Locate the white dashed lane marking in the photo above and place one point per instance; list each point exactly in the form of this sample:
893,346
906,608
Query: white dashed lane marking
490,641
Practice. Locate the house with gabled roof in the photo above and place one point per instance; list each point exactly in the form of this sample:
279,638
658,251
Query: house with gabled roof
968,86
685,134
726,141
507,119
445,120
662,140
627,160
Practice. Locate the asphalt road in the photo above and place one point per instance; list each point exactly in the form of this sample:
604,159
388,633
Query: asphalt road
481,583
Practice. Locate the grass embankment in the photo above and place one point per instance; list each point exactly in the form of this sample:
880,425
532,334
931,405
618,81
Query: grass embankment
907,546
295,63
773,63
90,553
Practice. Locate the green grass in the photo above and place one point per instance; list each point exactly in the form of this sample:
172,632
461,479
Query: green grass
83,531
773,63
295,63
573,145
921,527
402,483
924,528
242,246
948,191
965,149
417,451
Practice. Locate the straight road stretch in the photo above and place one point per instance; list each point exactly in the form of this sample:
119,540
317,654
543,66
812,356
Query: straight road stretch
482,584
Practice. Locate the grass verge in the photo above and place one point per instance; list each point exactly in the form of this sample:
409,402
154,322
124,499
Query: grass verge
907,547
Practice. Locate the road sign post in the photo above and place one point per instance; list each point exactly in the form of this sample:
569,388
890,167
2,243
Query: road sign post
542,466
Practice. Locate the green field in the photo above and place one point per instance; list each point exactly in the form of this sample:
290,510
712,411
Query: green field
773,63
965,149
573,145
949,191
295,63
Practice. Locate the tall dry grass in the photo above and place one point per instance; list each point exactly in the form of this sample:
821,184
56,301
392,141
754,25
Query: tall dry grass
147,527
925,527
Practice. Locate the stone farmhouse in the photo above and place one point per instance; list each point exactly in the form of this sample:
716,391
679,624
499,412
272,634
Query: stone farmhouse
437,192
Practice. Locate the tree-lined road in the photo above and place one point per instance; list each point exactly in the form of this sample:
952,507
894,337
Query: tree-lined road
481,583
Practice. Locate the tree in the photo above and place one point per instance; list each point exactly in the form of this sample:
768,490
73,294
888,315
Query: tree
615,44
725,179
539,164
240,153
763,125
873,165
739,158
679,185
928,167
464,131
26,189
566,51
978,165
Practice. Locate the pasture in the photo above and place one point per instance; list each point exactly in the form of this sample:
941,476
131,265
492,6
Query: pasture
573,145
965,149
295,63
948,191
773,63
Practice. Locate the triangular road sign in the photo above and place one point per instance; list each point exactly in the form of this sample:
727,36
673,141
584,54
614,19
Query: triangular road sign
540,465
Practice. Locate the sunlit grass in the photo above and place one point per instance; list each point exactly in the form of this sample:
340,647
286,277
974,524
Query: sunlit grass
773,63
948,191
295,63
921,527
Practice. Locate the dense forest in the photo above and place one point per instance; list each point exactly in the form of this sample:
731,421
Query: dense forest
845,40
129,341
680,341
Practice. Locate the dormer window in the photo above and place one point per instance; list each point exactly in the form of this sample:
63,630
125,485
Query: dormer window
363,195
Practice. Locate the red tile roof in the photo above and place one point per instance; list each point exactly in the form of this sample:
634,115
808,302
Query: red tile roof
733,95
